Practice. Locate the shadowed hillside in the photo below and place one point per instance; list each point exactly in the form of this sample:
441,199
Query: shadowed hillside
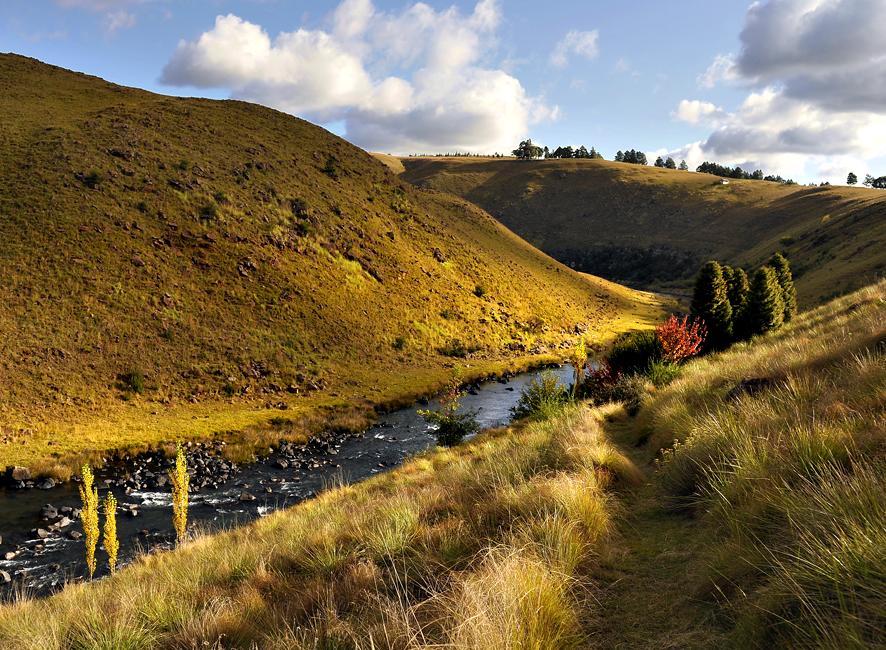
177,267
654,227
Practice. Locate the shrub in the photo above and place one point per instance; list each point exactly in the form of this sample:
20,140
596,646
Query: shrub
456,348
598,382
92,179
220,197
180,480
662,373
330,168
452,426
479,291
209,212
680,338
133,380
631,390
109,534
542,397
182,165
399,343
89,517
633,352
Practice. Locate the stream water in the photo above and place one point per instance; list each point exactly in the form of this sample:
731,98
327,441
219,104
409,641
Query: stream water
39,552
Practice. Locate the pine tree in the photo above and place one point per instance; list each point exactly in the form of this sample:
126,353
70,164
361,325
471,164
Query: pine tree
619,156
765,305
738,290
710,302
786,281
683,166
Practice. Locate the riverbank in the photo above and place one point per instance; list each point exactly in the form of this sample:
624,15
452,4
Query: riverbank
246,427
41,531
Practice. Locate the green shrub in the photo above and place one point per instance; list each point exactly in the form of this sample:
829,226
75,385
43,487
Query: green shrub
399,343
134,380
662,373
456,348
182,165
631,390
542,397
451,426
93,179
634,352
479,291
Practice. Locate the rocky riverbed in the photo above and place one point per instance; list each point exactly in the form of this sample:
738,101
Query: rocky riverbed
41,544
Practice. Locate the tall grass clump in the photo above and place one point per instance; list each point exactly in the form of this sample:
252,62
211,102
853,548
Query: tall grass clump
180,480
109,534
542,398
89,516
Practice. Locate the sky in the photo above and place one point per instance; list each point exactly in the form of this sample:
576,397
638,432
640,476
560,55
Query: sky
793,87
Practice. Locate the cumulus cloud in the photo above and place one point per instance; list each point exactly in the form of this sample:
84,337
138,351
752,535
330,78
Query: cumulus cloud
412,80
575,43
694,111
816,70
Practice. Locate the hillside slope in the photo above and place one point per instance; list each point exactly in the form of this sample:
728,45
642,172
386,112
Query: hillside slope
759,526
172,267
654,227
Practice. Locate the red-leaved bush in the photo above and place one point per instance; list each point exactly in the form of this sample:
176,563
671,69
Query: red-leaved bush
680,338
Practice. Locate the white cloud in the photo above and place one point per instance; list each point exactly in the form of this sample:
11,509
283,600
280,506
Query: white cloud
694,111
817,73
721,69
576,43
401,82
117,20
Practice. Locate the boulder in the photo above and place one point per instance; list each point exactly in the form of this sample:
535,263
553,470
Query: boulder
5,578
46,484
246,496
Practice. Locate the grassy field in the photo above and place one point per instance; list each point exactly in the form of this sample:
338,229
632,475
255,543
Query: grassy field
654,227
175,268
713,518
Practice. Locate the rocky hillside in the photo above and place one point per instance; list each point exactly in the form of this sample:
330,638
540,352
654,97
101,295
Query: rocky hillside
654,227
174,267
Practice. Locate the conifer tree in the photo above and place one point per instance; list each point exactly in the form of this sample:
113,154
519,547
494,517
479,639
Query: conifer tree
710,302
765,304
738,290
786,281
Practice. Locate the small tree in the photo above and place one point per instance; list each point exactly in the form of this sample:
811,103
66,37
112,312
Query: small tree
659,162
112,544
786,281
683,166
180,480
765,304
619,156
710,303
452,426
670,164
852,179
868,180
680,338
89,517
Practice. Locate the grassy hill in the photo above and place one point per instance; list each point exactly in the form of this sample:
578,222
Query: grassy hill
654,227
757,523
181,267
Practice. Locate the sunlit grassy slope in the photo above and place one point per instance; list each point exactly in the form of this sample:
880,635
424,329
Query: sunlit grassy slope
759,526
238,259
654,227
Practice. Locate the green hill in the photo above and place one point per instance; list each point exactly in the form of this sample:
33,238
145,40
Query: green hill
179,267
653,228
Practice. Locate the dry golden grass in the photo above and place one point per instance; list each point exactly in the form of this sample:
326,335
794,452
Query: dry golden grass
478,545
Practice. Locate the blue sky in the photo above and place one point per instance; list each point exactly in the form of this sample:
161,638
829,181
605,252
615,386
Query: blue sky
724,80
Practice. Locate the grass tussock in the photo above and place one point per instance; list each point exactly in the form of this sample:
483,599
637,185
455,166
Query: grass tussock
788,477
478,545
